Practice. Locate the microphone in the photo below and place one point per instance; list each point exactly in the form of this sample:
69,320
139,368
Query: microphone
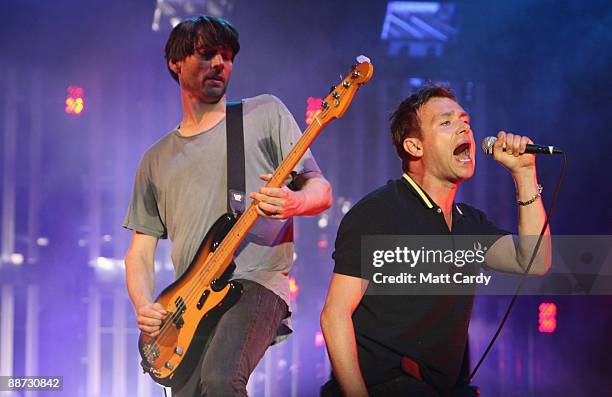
487,147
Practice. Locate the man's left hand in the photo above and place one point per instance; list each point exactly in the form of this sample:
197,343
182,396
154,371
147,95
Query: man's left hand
514,157
277,203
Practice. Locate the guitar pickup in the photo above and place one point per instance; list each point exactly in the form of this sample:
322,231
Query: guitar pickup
203,299
180,305
179,322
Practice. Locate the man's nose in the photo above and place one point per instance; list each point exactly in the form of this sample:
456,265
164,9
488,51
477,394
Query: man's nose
216,61
464,128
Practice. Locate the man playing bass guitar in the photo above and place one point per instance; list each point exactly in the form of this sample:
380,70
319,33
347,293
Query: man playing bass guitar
180,190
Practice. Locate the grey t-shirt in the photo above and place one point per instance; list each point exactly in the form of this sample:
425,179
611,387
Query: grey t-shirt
180,190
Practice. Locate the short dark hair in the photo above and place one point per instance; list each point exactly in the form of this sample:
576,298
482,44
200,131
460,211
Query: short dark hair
196,33
405,122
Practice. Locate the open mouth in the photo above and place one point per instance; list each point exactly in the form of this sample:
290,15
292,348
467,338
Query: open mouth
462,152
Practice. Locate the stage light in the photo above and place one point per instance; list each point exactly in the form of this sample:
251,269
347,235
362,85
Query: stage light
323,221
107,238
168,13
294,288
322,243
345,207
547,318
42,241
313,108
16,259
75,103
103,263
344,204
319,339
416,82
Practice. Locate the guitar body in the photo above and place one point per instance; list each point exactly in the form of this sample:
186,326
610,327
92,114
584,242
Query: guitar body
171,357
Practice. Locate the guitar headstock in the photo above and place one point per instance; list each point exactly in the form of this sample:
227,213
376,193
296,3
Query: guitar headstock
341,95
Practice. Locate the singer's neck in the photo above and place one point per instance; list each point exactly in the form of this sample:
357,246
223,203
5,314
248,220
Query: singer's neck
441,192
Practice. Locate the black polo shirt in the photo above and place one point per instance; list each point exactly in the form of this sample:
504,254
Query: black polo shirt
431,330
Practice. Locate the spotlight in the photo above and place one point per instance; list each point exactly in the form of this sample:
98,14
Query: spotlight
75,103
319,339
104,263
42,241
168,13
547,318
345,205
323,221
313,108
294,288
16,259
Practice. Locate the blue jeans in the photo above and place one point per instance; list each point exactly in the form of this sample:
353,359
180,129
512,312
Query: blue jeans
237,344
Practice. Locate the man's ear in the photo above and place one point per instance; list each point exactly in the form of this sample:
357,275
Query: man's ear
175,66
413,146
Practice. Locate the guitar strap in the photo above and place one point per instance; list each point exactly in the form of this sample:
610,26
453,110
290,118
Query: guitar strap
235,159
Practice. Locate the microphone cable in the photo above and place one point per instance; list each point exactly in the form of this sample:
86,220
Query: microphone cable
533,255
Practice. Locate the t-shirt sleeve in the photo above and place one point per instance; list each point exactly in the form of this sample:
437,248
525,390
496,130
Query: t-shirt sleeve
487,228
143,214
288,133
347,254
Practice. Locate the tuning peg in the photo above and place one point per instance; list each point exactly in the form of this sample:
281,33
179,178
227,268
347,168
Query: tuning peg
362,58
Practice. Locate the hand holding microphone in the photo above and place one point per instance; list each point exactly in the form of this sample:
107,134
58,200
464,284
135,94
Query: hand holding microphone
489,142
508,150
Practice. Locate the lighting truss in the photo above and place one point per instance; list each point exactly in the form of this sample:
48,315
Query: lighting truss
418,29
168,13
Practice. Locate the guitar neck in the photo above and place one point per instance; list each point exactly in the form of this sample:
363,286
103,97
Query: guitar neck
334,106
230,243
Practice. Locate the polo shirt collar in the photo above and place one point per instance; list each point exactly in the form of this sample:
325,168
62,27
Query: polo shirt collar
423,196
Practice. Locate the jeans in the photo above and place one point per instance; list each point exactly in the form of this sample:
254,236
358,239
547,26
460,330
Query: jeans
238,343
